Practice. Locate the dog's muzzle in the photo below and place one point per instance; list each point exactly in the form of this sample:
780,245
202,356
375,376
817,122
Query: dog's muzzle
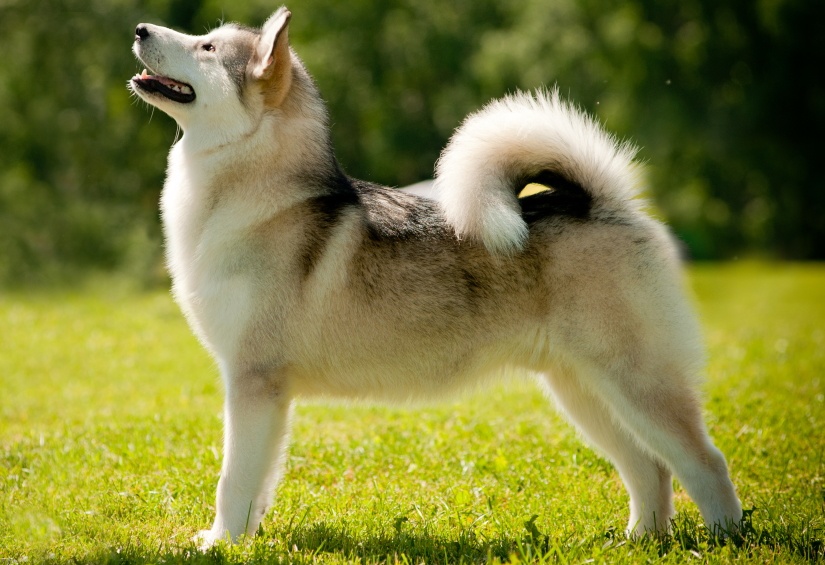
167,87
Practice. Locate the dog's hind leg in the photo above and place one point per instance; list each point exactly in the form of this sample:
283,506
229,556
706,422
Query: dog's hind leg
664,415
648,482
256,425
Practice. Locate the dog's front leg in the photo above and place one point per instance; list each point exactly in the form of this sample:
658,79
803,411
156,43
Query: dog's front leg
256,425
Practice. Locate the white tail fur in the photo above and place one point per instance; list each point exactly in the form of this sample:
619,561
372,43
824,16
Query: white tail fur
512,139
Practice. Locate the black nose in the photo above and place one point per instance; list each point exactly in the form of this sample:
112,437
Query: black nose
141,32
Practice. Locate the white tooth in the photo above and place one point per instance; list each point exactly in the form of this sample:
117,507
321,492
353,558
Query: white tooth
144,74
186,90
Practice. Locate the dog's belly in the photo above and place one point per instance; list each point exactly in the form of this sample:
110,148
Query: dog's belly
400,384
418,370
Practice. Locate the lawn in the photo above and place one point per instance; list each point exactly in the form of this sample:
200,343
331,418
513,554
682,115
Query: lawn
110,438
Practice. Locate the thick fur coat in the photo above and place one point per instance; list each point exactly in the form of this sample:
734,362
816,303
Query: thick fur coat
306,283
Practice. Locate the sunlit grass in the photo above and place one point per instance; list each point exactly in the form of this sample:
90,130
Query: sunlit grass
110,442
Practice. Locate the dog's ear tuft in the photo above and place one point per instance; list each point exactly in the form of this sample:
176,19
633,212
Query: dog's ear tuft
272,56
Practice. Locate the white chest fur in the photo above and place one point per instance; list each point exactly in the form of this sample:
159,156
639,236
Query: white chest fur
204,248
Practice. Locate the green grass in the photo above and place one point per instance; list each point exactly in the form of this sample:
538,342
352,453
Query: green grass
110,441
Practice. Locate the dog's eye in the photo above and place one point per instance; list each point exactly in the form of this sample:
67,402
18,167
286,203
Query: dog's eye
208,47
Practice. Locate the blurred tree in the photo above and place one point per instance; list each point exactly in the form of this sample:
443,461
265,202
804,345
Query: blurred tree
725,100
76,188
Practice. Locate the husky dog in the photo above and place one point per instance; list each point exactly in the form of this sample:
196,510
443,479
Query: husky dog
305,283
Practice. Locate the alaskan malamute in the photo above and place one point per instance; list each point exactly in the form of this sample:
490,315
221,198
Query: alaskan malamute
306,283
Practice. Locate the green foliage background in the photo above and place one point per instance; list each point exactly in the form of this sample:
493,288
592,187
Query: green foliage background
725,100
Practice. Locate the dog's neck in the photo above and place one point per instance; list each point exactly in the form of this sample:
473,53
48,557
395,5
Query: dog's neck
291,139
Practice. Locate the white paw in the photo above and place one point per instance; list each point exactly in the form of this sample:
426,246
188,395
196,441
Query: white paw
205,539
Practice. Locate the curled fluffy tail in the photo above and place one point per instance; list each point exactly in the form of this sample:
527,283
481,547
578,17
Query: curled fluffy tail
514,141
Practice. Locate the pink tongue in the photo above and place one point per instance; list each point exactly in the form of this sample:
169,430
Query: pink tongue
163,80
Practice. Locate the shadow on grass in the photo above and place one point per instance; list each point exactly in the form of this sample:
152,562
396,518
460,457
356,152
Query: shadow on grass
323,542
403,546
803,540
314,543
688,537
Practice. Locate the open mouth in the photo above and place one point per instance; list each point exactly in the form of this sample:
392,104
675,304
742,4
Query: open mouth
165,86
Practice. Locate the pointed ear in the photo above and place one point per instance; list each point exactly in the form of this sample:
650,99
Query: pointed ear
272,53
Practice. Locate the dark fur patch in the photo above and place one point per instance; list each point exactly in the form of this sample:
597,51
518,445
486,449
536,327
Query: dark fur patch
323,214
393,214
567,198
475,290
406,242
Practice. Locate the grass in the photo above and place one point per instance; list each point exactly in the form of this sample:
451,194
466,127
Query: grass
110,442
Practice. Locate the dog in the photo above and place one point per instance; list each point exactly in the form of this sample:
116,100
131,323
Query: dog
305,283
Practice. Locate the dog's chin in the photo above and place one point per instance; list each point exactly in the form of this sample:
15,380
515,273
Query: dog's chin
151,87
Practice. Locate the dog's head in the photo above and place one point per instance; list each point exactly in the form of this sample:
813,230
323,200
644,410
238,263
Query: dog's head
220,82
